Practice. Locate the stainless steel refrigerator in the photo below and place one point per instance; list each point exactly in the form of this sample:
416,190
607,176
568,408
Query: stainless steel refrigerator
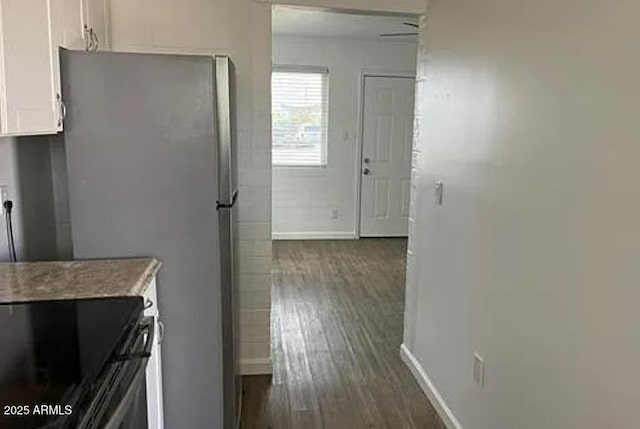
149,149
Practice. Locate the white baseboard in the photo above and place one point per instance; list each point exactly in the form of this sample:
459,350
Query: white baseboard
262,366
385,235
443,410
313,236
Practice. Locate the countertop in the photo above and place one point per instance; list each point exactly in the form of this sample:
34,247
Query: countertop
39,281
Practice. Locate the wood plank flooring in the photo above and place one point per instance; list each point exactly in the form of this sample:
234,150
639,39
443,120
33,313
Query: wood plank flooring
337,328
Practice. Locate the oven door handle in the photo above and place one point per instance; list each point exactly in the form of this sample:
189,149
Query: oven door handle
147,325
120,412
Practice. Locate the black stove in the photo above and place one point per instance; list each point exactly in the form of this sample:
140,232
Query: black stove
53,355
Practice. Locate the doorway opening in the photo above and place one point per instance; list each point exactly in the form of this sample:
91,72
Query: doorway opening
342,123
342,92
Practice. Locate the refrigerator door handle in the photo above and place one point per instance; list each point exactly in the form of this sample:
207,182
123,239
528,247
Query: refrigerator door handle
229,205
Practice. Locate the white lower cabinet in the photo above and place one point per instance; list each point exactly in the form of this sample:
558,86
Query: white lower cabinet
155,414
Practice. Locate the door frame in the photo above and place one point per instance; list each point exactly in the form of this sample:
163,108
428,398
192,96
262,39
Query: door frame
364,74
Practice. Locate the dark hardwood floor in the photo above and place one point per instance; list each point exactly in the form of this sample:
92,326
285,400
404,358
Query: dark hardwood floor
337,328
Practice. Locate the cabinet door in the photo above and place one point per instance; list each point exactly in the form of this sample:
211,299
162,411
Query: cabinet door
96,16
28,104
66,25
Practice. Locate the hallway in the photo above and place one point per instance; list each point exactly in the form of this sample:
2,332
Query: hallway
337,328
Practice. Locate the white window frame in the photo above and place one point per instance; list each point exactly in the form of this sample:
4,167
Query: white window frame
324,142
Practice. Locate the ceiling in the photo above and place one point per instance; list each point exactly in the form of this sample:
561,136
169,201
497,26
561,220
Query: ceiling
294,21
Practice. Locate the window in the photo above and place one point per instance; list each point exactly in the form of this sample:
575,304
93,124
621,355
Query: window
299,116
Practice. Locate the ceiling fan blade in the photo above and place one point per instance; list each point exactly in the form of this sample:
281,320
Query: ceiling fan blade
411,24
397,34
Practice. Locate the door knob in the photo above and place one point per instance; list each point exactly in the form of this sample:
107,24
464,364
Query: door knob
366,171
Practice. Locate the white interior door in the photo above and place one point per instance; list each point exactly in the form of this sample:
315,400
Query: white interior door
387,134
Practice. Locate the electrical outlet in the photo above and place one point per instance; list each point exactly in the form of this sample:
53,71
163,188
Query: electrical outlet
4,196
334,214
478,369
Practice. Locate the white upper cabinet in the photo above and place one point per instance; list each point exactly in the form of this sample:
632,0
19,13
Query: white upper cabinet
28,102
95,21
31,34
66,32
66,24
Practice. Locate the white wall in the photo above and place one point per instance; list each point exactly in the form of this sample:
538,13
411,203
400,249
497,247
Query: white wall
9,178
25,169
528,111
304,197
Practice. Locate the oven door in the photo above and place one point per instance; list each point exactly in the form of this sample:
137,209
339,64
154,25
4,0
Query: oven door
121,401
131,412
